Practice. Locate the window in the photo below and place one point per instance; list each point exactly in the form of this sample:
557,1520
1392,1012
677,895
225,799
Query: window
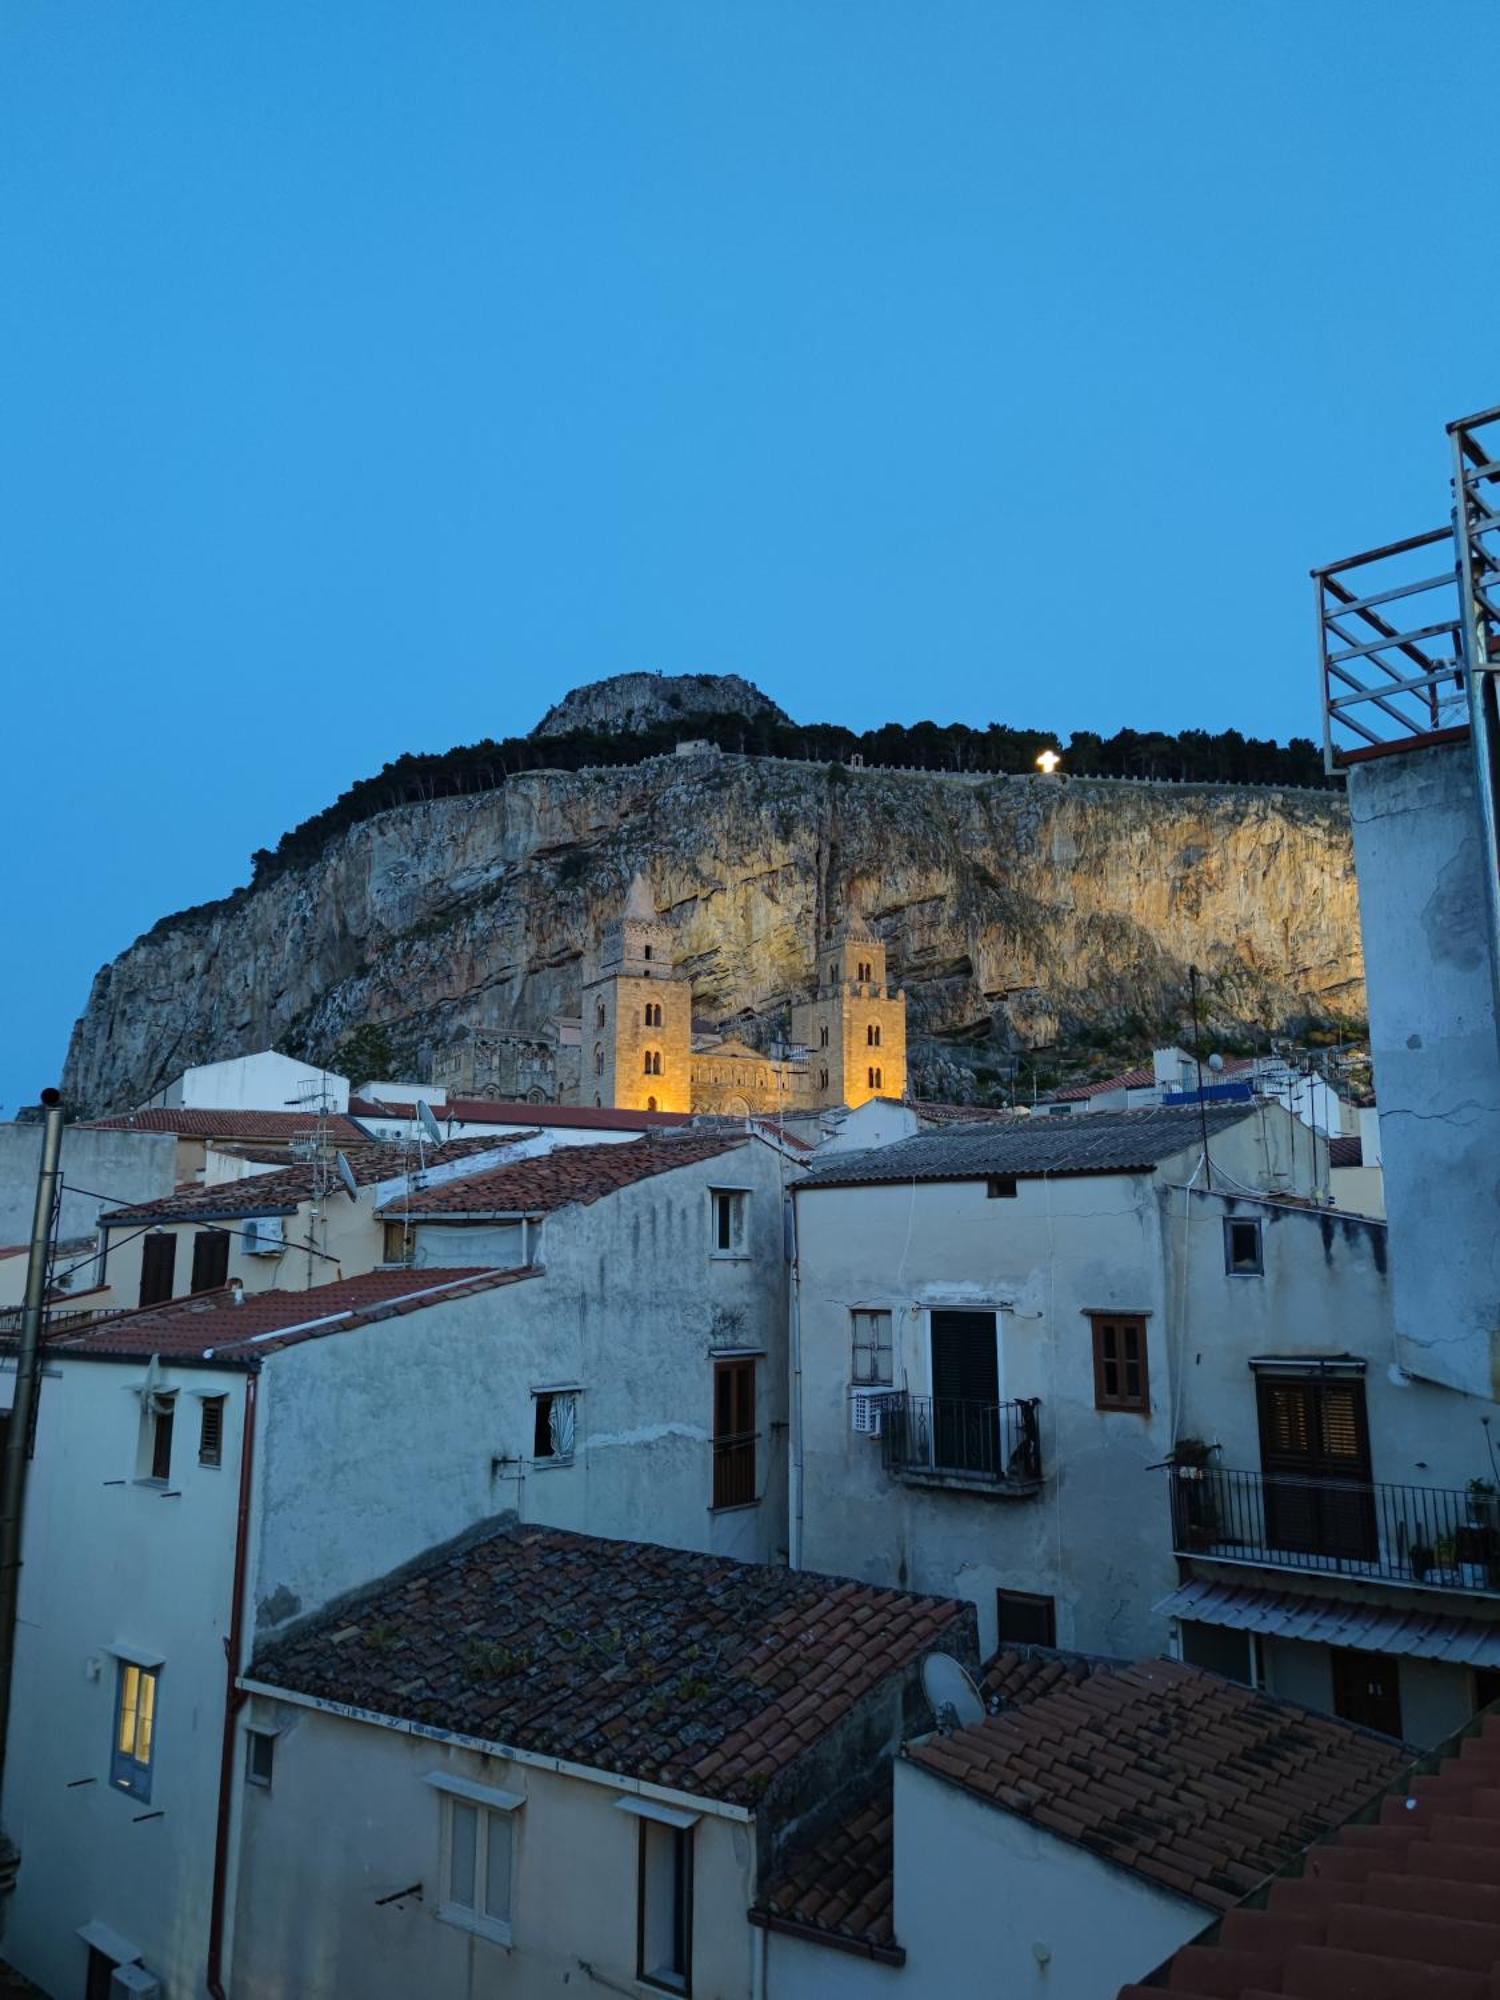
822,1079
664,1931
1315,1462
158,1259
211,1431
210,1259
1023,1618
598,1059
154,1451
874,1079
823,1037
476,1868
833,973
862,971
1000,1187
729,1209
650,1103
599,1014
872,1345
1120,1380
554,1422
1242,1248
652,1062
872,1035
135,1730
646,952
260,1756
653,1013
400,1243
734,1433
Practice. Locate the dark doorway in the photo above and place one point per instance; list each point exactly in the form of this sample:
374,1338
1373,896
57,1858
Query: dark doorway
1486,1687
210,1259
158,1262
1315,1455
965,1393
1366,1689
96,1983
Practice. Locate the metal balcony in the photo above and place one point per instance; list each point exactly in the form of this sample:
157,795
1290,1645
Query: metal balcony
1434,1537
992,1448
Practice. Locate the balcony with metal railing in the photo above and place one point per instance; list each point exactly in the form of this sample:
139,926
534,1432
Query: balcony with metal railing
1430,1537
963,1447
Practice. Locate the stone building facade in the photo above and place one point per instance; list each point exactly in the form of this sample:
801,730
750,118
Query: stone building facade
637,1017
854,1026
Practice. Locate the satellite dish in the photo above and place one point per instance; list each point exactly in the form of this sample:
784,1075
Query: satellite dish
1216,1061
428,1123
955,1701
346,1175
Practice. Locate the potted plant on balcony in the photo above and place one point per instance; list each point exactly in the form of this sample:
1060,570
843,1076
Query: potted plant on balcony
1482,1507
1196,1501
1421,1558
1445,1558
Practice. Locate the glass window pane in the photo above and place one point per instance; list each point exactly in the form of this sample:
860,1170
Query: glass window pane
497,1866
145,1719
464,1841
130,1680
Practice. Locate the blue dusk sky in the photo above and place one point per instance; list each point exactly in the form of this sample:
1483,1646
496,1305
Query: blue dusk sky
374,373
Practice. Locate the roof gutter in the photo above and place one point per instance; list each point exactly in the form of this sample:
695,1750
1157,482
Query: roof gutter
883,1954
590,1774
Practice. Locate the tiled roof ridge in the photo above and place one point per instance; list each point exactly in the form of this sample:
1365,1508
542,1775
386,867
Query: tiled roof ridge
566,1176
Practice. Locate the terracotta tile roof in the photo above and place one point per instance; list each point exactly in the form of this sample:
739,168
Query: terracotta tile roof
1018,1674
1107,1142
1128,1079
566,1175
1193,1781
281,1192
687,1670
1346,1152
838,1890
491,1111
210,1323
283,1125
1406,1907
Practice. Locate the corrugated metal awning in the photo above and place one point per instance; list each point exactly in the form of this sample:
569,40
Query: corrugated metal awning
1330,1621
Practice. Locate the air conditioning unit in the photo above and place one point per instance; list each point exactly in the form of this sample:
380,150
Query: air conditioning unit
264,1236
867,1410
134,1982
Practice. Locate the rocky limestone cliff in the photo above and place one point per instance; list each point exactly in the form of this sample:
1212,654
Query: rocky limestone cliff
627,702
1017,911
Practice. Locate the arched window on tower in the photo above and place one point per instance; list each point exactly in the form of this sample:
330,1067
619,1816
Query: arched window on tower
645,951
822,1079
823,1037
874,1079
599,1014
653,1013
863,974
653,1062
872,1035
650,1103
833,973
598,1059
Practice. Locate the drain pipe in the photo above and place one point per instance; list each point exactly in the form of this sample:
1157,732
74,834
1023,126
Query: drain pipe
234,1696
794,1552
18,1437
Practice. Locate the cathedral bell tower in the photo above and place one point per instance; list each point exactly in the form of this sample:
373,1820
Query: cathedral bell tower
854,1029
637,1016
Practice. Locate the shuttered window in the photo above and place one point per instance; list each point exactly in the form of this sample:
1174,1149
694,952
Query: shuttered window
1315,1455
158,1262
211,1431
734,1433
1120,1374
210,1259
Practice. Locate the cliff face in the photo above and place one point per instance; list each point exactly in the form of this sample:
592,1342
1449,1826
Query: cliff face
1014,908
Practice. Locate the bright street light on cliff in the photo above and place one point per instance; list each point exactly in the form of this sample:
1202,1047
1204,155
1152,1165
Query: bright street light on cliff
1048,762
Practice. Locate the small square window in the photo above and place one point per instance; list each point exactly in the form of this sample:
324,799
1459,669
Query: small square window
134,1747
1243,1257
554,1424
872,1346
260,1756
1120,1378
211,1431
1001,1187
1023,1618
729,1210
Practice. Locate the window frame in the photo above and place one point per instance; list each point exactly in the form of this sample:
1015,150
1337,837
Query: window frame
487,1806
158,1267
216,1404
549,1397
1001,1187
1237,1270
210,1246
873,1348
737,1200
1122,1400
730,1447
682,1914
128,1772
1026,1600
254,1736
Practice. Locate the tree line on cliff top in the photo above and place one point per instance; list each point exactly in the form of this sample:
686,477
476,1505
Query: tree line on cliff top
1190,755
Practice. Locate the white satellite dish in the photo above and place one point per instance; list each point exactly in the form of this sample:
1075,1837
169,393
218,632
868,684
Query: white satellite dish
955,1701
428,1123
1216,1062
346,1175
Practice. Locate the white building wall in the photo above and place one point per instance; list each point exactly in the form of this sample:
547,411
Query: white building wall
632,1307
112,1560
265,1081
988,1903
798,1969
349,1820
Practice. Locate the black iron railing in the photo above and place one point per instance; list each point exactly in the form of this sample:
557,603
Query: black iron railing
1433,1535
734,1469
992,1444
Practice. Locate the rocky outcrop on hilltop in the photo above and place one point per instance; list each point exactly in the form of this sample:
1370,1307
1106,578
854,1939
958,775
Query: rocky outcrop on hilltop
1017,910
626,703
